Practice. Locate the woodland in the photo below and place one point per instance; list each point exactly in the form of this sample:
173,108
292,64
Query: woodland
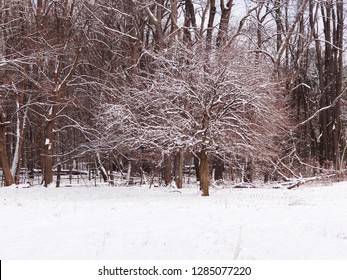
241,90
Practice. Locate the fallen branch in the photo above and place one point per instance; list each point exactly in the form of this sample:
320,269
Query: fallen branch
305,180
295,185
244,186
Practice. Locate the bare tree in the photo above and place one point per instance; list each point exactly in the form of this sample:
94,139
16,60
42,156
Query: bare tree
223,106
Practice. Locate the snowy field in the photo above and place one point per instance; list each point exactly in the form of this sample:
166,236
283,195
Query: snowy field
309,222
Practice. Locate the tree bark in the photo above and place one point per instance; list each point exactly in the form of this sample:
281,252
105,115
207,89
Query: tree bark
58,175
48,147
279,26
20,126
167,170
204,173
179,160
111,168
219,169
189,20
101,168
128,173
197,166
330,77
211,17
174,17
248,177
224,22
3,151
156,21
338,73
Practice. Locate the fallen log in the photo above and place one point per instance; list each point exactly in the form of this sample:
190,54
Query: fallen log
296,185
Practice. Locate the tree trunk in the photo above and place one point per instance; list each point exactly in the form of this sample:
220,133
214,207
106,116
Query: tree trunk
111,168
101,168
338,39
212,14
278,20
266,176
128,173
204,180
189,20
174,17
219,169
179,161
224,21
248,177
197,166
156,22
16,162
329,66
49,147
167,170
3,151
58,175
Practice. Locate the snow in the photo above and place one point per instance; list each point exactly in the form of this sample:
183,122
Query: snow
164,223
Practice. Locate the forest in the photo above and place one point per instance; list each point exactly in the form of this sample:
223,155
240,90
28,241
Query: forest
241,90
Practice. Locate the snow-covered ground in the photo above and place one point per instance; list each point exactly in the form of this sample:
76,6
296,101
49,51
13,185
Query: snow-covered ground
104,222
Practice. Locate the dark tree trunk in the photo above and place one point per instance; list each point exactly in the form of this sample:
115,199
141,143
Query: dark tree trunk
189,20
167,170
174,16
197,166
218,169
48,148
224,22
204,180
278,20
330,74
266,176
156,21
179,160
58,175
248,178
70,171
338,41
111,172
3,151
101,168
